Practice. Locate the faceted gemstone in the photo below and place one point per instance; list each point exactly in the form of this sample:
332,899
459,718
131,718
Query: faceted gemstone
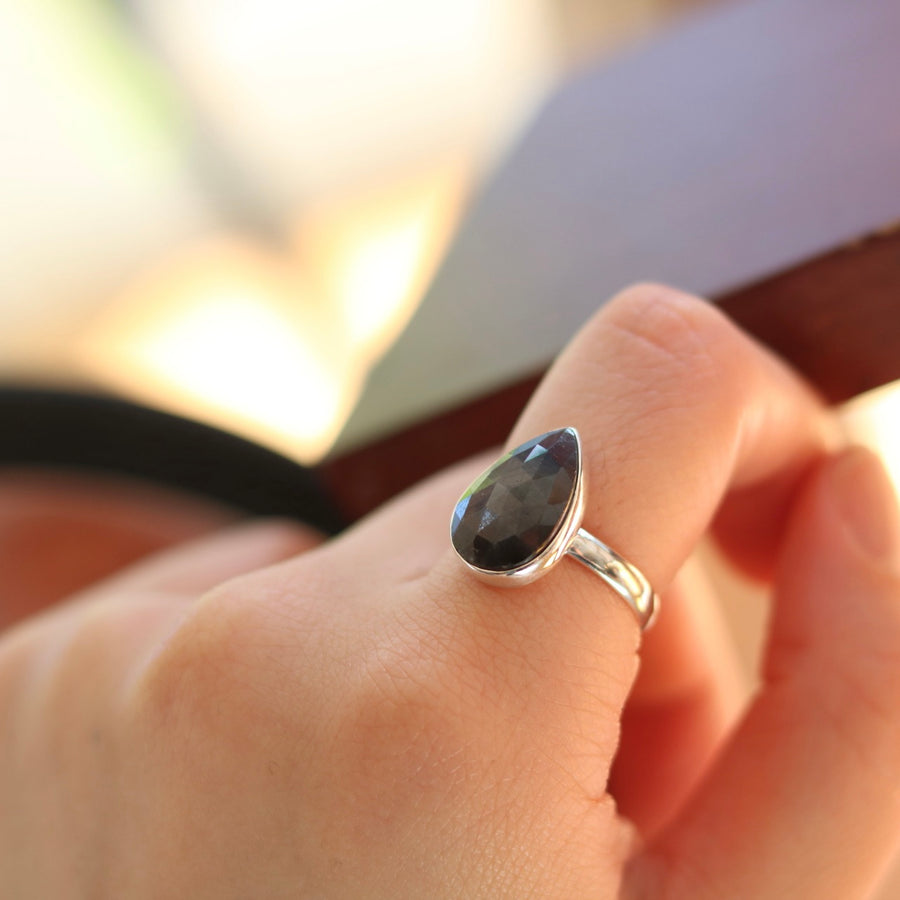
512,511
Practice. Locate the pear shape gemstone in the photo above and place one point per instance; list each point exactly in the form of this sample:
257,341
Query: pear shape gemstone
512,511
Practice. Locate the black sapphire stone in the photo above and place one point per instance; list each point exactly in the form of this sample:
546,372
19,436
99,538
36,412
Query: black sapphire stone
512,511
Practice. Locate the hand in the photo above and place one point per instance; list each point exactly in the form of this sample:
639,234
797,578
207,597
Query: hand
366,720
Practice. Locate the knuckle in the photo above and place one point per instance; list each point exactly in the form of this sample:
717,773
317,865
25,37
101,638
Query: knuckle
285,537
682,337
437,695
400,723
677,355
188,673
225,673
426,705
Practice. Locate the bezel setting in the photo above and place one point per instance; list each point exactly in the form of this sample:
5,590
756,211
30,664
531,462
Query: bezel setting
485,540
546,557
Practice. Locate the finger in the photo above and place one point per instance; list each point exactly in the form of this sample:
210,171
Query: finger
61,532
141,606
674,404
805,798
676,407
687,695
750,524
199,565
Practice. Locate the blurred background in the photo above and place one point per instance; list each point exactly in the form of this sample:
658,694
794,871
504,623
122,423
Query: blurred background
231,211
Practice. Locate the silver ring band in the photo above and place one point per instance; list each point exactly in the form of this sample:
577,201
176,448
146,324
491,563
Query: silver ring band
626,580
524,513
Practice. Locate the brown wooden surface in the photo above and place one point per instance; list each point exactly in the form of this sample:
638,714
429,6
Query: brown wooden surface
835,318
363,479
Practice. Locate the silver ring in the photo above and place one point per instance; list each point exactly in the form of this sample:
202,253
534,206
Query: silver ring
524,513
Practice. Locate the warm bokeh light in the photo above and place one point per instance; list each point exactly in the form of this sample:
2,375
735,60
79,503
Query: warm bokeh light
228,335
139,130
276,346
242,356
313,99
375,251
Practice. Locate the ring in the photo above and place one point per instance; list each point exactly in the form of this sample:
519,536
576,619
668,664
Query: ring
524,513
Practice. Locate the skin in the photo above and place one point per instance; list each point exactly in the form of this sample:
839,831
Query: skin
246,716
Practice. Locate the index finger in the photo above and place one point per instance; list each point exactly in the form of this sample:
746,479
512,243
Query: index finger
675,407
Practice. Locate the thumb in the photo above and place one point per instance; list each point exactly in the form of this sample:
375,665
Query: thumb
804,798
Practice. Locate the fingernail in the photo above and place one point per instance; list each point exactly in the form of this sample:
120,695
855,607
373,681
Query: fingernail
865,499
